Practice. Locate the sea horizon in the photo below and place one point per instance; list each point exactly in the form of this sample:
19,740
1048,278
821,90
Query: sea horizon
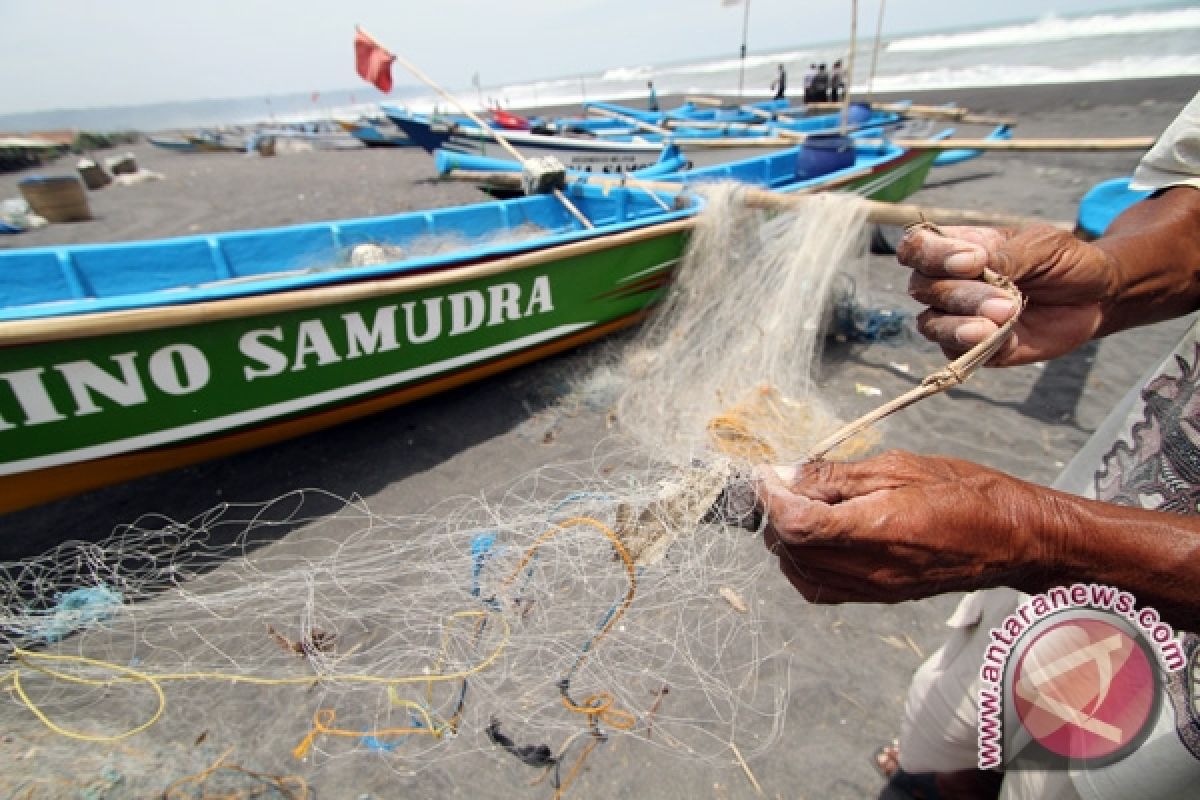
1157,41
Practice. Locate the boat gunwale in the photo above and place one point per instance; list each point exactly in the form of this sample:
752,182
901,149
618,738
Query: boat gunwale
43,330
308,277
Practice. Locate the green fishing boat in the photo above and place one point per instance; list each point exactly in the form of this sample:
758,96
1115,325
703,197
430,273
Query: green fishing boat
121,360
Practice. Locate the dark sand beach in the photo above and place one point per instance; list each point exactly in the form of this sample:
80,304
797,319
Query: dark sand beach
853,662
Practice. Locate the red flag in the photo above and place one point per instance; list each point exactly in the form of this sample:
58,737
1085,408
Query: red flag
373,61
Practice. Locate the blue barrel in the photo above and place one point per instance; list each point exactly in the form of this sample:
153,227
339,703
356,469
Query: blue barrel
824,153
858,113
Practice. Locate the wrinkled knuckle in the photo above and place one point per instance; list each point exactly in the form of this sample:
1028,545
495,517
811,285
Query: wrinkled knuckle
819,471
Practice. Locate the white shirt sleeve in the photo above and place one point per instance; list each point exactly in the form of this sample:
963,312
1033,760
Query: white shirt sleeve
1174,160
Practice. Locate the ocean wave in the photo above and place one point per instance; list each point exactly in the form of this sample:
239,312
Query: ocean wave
983,75
628,74
794,57
1053,29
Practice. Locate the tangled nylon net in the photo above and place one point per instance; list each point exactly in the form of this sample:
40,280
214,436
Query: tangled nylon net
481,639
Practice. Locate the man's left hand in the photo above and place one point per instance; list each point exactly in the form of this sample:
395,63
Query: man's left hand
900,527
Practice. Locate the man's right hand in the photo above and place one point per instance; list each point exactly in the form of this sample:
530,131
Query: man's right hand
1066,282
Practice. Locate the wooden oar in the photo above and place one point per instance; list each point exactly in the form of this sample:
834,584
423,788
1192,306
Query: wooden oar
562,198
882,213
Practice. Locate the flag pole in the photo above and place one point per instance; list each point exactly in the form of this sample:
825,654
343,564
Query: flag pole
488,129
742,68
848,75
875,50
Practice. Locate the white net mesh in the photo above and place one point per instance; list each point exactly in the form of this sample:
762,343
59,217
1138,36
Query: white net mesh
467,644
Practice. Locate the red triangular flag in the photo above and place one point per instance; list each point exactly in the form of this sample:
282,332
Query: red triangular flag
373,61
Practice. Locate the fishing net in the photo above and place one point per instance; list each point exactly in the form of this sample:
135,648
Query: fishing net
482,643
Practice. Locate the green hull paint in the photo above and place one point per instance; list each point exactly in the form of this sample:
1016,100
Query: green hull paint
64,404
900,181
170,385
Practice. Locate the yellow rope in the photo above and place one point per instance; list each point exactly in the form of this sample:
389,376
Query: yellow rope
298,790
39,661
575,768
323,725
597,707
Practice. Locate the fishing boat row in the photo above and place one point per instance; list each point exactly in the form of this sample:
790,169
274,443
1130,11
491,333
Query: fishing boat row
120,360
624,141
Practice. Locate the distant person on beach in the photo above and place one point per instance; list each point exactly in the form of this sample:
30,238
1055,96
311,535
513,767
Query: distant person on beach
837,82
652,99
818,90
780,83
808,79
1125,513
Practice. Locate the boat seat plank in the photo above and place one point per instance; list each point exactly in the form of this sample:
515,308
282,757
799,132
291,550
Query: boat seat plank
221,264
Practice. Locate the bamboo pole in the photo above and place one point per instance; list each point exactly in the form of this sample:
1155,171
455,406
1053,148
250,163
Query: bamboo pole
604,112
1023,145
848,72
875,49
901,214
562,198
769,115
928,112
739,127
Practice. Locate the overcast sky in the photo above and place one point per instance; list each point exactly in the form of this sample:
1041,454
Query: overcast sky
89,53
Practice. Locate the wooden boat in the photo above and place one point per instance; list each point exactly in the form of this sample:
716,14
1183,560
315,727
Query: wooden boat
176,145
203,142
874,168
620,153
119,360
374,135
318,135
21,152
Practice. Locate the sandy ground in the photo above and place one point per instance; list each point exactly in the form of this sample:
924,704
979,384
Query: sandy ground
854,661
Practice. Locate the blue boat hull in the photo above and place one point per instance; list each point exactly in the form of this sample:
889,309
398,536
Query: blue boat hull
1104,203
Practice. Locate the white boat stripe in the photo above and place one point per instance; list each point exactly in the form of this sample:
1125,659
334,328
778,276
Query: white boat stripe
650,271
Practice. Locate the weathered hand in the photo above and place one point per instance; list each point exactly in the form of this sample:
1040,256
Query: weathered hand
900,526
1066,281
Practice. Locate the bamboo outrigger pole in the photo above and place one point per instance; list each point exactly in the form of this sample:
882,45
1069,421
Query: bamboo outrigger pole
1024,145
848,73
949,113
628,120
901,214
745,29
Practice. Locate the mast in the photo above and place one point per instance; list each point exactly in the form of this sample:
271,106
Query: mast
742,68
